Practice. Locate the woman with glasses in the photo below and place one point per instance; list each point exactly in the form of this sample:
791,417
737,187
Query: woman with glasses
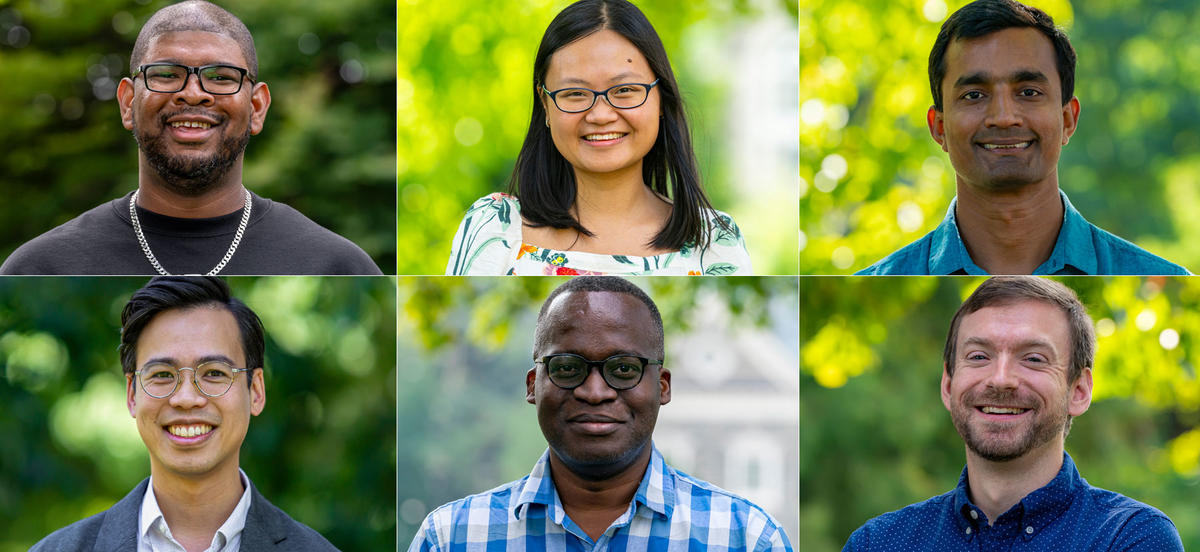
606,181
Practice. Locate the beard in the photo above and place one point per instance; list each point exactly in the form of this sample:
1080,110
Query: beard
1048,421
189,175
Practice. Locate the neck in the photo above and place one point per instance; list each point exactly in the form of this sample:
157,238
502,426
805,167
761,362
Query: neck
997,486
595,503
195,508
617,199
1009,232
223,197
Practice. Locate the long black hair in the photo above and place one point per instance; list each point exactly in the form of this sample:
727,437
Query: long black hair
544,180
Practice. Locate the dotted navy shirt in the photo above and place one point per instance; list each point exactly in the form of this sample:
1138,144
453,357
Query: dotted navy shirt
1066,515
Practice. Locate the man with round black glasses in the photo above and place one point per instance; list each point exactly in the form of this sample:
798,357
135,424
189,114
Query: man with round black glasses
193,361
192,103
597,381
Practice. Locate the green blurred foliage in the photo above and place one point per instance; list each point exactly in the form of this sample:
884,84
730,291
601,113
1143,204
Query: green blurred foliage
465,344
464,99
323,450
875,436
863,104
327,148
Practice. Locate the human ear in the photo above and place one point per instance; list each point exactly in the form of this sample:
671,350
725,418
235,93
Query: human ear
1081,393
530,381
260,100
125,102
1070,119
945,387
664,386
934,119
130,391
258,392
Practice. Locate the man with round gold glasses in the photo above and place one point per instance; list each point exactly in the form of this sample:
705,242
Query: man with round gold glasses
192,102
193,361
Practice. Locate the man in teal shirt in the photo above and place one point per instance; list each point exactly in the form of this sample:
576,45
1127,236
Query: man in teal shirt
1003,78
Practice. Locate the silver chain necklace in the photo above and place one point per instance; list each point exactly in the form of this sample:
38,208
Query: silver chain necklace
137,229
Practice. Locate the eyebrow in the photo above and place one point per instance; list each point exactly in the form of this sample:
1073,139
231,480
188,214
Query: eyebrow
1020,75
176,61
173,362
616,79
1026,344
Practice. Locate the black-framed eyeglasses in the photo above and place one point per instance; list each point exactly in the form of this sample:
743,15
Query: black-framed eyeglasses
621,96
214,79
620,372
213,379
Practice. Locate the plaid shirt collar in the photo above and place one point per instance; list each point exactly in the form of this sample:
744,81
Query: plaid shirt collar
656,491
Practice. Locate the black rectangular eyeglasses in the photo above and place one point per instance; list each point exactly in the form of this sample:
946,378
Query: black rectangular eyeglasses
620,372
170,77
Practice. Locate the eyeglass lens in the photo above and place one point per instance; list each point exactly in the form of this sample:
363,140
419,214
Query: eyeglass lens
623,96
212,378
622,372
215,79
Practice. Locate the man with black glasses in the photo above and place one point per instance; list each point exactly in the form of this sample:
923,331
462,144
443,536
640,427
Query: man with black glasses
192,103
193,361
598,379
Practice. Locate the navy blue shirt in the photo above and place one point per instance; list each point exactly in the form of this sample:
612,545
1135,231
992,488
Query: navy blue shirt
1065,515
1081,248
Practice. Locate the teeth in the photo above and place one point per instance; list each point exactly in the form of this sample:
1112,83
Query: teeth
1018,145
189,430
597,137
999,410
190,124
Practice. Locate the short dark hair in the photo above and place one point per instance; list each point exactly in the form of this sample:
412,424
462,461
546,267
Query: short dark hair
195,15
984,17
1005,290
165,293
544,181
611,284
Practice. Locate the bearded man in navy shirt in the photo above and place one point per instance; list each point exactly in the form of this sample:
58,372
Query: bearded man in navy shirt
1017,368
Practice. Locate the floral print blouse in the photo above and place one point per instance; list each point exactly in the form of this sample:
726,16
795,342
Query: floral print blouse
488,243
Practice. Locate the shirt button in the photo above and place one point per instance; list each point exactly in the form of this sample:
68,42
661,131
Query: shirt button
974,514
1029,530
968,530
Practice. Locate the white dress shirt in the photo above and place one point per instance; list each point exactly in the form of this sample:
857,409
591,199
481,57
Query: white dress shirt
155,536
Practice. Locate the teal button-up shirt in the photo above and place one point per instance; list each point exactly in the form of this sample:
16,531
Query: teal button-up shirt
1081,248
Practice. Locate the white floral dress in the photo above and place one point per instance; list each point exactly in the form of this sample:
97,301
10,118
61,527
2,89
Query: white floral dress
488,243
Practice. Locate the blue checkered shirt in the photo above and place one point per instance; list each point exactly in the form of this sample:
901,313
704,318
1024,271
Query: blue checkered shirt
670,511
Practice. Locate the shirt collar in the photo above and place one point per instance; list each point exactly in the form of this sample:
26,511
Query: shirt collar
151,517
656,491
1031,514
948,254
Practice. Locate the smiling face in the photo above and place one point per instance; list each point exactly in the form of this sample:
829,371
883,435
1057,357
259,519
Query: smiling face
190,434
602,140
1003,121
191,138
594,430
1009,394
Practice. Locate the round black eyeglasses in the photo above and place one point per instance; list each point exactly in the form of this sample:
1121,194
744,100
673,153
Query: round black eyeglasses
621,96
620,372
215,79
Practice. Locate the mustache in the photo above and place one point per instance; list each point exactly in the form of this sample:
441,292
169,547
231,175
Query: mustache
1001,397
987,135
197,111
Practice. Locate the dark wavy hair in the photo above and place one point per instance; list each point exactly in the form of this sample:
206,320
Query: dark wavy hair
543,179
165,293
984,17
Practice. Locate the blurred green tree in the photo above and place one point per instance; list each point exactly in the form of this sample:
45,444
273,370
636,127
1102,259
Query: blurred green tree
323,450
464,97
872,179
875,436
327,148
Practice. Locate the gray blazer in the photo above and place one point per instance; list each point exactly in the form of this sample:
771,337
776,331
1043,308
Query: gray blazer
116,529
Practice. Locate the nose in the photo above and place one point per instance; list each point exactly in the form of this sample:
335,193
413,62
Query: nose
1003,374
594,389
602,112
1003,111
193,93
187,395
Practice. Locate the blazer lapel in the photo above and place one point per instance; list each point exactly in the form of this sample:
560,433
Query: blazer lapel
118,532
265,528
